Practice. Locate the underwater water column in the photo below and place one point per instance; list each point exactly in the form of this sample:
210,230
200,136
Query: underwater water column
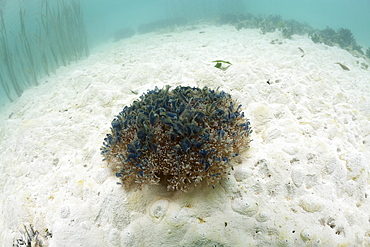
205,9
8,78
58,38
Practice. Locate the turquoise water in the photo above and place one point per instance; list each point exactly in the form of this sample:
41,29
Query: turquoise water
38,53
351,14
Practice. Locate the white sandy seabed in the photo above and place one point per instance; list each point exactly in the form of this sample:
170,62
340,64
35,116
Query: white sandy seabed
303,182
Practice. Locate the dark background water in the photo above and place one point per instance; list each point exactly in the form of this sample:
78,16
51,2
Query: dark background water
104,17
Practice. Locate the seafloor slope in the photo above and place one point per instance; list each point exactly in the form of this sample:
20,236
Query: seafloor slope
304,180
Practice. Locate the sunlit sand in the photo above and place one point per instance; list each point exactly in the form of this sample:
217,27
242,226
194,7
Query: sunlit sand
304,179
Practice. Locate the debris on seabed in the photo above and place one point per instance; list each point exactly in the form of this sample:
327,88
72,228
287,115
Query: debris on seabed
32,238
343,66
